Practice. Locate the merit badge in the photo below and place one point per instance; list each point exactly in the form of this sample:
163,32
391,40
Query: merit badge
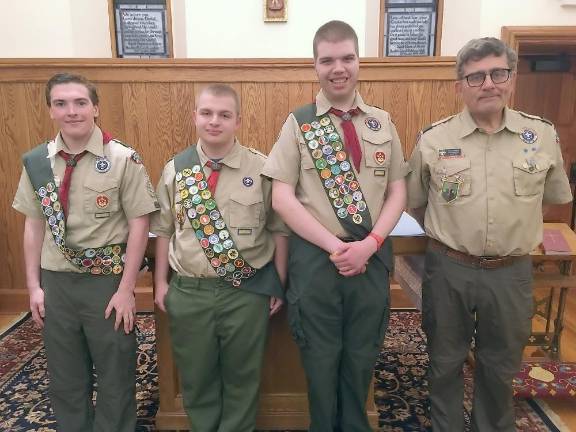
136,158
372,123
305,127
102,165
102,201
380,157
528,136
247,181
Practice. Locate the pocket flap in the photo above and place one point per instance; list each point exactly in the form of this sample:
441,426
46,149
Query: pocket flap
247,198
538,164
376,137
453,166
102,184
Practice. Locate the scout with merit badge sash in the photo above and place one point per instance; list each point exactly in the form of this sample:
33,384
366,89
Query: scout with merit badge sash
337,176
103,260
197,203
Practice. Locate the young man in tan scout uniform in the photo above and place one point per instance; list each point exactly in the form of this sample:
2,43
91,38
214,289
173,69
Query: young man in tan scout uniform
86,198
483,175
338,183
228,251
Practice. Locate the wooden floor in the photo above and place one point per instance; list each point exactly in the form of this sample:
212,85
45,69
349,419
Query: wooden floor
566,410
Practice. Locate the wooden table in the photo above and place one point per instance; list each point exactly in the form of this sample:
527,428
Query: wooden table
551,272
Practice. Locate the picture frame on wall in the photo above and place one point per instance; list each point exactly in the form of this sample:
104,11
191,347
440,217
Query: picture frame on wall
275,10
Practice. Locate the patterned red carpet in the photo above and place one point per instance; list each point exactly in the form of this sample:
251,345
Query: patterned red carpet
400,389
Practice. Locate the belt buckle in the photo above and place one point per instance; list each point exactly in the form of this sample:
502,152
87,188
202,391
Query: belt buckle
487,262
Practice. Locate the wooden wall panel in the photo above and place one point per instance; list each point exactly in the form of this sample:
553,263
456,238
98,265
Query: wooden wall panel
254,115
149,105
112,109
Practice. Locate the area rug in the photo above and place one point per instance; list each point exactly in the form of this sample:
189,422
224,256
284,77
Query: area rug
400,391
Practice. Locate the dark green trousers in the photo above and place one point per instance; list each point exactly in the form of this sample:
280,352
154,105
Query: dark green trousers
339,324
79,340
218,339
495,307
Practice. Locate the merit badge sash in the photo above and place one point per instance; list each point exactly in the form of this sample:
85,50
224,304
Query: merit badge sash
101,260
337,176
202,212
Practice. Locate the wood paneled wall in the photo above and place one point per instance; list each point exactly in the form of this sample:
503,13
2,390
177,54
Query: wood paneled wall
149,106
551,95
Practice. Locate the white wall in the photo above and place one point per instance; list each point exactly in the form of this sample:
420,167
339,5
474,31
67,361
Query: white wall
467,19
54,28
235,28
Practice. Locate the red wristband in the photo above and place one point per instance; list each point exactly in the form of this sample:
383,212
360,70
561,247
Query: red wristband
379,240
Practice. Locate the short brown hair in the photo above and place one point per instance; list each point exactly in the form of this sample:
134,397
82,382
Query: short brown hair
334,31
477,49
221,90
66,78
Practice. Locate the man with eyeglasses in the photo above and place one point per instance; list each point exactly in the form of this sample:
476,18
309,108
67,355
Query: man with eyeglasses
482,176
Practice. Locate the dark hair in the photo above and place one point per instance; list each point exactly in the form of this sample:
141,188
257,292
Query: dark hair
221,90
66,78
477,49
334,31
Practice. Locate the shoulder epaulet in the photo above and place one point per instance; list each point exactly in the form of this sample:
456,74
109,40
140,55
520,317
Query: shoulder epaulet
431,126
121,143
535,117
256,152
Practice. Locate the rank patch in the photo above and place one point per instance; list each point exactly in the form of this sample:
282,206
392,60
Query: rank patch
102,201
247,181
380,157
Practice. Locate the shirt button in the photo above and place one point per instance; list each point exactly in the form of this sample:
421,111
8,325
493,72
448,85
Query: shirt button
490,221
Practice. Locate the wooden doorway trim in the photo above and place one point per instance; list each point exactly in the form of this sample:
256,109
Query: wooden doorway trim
522,36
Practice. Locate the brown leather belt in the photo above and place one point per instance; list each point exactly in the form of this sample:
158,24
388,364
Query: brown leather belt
484,262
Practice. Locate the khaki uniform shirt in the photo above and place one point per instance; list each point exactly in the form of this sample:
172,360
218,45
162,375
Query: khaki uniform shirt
89,225
244,199
290,162
503,178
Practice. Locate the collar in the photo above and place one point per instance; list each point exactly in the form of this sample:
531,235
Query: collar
95,144
232,159
509,121
323,105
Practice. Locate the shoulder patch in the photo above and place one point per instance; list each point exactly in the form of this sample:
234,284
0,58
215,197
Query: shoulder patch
535,117
439,122
256,152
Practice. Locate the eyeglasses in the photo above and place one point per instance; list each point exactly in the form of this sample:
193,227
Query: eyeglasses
498,76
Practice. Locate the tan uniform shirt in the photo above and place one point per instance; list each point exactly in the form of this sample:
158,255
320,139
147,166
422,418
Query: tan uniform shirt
290,161
89,224
244,199
503,179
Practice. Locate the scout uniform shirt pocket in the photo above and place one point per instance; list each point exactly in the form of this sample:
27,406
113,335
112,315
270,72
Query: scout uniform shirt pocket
377,152
101,196
245,212
530,174
451,179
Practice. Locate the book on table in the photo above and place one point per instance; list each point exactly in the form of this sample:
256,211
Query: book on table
554,243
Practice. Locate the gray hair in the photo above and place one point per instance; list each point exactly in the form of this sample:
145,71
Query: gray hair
477,49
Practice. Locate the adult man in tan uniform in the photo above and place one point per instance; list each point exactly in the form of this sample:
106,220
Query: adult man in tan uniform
228,252
338,172
483,175
86,198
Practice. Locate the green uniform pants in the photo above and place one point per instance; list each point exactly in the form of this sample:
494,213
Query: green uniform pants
495,307
218,339
339,323
79,340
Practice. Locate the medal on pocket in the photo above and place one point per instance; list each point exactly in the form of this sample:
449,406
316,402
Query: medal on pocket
450,188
